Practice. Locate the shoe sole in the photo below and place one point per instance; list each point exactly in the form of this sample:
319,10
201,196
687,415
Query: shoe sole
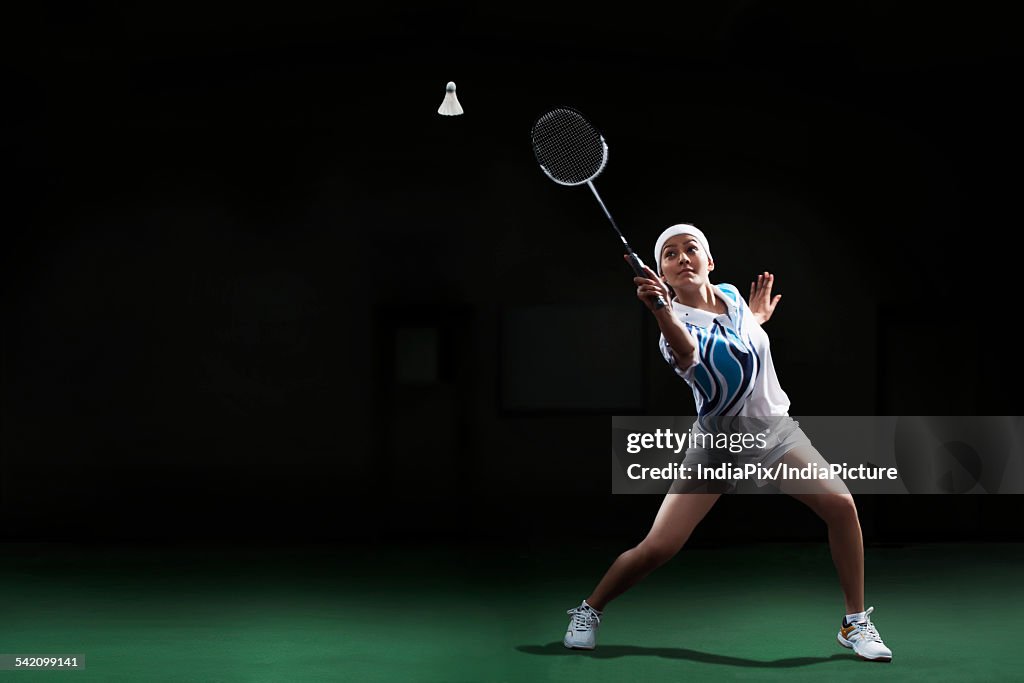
576,647
849,646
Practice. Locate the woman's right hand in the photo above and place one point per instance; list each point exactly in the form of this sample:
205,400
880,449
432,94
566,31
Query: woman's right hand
649,288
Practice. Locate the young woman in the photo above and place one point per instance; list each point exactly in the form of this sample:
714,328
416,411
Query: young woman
714,341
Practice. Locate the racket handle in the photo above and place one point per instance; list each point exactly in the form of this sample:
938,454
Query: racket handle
638,268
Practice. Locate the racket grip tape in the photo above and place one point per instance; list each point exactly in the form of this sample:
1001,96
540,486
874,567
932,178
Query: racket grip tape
638,268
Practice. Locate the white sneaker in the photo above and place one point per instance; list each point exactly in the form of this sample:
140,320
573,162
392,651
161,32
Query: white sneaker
864,640
582,631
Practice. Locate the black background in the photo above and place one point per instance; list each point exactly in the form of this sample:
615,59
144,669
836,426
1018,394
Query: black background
223,223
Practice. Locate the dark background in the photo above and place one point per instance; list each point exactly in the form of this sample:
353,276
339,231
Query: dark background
256,288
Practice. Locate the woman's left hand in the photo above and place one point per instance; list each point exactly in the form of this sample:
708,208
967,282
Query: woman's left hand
762,303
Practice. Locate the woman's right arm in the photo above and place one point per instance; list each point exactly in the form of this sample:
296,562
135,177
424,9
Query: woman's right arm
681,343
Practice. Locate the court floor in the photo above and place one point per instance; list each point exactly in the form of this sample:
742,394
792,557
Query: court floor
430,612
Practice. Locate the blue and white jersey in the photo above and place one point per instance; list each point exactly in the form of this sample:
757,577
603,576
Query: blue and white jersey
733,372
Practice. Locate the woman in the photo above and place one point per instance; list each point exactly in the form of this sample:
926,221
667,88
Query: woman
703,322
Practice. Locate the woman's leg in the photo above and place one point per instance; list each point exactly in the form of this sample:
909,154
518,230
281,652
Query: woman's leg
679,515
831,500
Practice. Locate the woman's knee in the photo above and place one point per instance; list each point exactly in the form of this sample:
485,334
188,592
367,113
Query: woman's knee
837,508
654,552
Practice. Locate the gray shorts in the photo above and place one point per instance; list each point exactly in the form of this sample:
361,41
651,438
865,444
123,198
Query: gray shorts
758,441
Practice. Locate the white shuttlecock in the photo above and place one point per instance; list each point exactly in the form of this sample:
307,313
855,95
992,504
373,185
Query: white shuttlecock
450,106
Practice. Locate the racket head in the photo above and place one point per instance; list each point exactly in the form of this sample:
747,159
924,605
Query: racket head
568,148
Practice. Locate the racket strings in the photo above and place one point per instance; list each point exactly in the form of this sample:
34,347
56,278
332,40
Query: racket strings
567,146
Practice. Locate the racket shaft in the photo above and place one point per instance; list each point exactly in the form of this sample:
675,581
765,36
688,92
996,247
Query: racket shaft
634,260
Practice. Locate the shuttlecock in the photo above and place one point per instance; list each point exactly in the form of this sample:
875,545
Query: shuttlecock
450,106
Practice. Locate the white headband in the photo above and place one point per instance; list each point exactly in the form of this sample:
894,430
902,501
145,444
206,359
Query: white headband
680,229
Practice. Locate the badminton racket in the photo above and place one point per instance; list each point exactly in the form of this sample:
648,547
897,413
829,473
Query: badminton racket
572,152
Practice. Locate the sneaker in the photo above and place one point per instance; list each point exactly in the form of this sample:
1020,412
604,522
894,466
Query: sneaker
864,640
582,631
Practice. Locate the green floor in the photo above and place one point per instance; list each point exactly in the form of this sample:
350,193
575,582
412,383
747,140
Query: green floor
429,613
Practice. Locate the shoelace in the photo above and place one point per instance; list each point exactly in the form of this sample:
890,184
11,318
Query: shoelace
866,629
582,618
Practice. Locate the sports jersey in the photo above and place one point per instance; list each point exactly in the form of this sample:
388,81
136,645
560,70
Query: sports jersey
732,373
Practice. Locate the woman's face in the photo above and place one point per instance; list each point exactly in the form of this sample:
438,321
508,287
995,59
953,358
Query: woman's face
684,263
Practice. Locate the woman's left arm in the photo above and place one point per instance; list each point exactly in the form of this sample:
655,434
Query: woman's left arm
762,303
